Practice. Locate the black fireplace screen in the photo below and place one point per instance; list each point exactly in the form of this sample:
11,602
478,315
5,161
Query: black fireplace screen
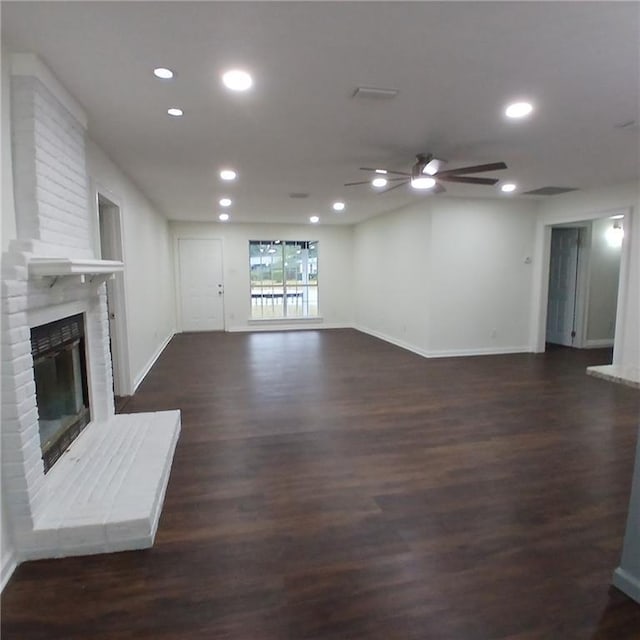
60,372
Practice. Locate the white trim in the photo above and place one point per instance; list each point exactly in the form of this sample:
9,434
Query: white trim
142,375
394,341
29,64
291,321
542,253
121,372
9,565
484,351
601,343
72,266
630,219
627,583
262,325
448,353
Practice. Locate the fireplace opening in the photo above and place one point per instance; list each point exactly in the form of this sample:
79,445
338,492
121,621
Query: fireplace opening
62,395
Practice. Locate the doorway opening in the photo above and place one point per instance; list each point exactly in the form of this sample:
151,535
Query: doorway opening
583,283
111,248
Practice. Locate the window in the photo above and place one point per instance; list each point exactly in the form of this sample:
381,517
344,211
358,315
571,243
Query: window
284,278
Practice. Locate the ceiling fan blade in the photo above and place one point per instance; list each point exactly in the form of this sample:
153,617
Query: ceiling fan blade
395,186
468,180
478,168
350,184
438,188
398,173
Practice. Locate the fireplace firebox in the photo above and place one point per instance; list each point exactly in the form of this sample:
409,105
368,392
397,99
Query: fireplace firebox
60,371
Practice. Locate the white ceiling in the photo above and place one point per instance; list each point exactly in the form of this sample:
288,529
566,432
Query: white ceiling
455,64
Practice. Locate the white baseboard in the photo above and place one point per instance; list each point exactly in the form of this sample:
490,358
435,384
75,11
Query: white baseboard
9,564
447,353
627,583
597,344
141,376
394,341
483,351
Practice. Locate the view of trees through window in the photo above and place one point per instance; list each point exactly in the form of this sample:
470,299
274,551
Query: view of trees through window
284,278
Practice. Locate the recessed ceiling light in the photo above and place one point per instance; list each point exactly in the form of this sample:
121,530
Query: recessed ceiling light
237,80
379,182
225,202
223,217
163,72
228,174
314,219
383,171
423,183
338,206
175,112
518,110
508,187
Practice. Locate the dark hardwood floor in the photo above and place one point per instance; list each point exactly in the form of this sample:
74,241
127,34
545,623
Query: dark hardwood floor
331,486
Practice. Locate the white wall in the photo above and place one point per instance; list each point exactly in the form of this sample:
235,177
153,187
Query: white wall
8,207
334,267
391,276
447,276
604,270
148,258
7,560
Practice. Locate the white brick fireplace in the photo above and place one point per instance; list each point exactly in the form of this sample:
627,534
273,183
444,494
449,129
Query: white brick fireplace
106,492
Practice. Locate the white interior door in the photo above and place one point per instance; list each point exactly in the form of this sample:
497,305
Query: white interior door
201,284
563,273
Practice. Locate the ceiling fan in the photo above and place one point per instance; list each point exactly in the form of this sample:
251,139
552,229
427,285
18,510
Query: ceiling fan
427,173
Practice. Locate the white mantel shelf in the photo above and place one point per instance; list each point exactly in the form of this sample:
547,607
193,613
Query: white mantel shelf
60,267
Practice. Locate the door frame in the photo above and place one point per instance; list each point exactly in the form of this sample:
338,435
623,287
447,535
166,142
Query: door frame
542,257
177,279
121,369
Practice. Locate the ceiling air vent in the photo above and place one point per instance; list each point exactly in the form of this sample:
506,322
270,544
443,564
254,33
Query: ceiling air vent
376,93
548,191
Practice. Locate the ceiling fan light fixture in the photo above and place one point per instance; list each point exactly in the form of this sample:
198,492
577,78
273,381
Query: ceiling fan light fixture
423,183
508,187
433,166
378,183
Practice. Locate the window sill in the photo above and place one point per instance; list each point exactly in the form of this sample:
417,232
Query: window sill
306,320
